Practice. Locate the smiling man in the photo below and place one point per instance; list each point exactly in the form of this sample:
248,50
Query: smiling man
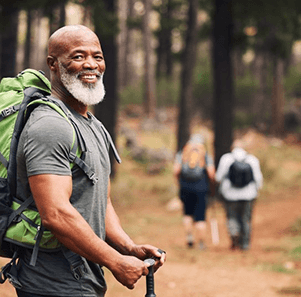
78,212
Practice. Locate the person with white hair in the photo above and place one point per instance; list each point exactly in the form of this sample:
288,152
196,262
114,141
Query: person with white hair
240,178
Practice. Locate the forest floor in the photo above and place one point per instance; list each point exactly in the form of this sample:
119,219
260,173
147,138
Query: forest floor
271,268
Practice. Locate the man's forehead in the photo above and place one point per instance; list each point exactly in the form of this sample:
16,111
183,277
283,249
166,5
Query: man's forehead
67,40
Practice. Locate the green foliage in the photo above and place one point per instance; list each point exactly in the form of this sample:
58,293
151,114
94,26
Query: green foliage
104,17
242,119
292,81
276,165
167,92
277,24
132,94
203,83
296,252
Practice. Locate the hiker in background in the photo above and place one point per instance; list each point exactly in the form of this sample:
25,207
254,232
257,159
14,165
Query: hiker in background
239,177
194,171
79,213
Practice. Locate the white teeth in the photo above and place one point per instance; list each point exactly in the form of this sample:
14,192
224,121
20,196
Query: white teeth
89,76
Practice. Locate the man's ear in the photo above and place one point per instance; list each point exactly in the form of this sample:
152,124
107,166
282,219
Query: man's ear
52,63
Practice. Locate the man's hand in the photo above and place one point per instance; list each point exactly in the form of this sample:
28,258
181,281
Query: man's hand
148,251
129,270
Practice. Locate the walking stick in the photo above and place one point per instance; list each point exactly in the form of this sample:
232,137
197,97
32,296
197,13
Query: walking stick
150,285
214,225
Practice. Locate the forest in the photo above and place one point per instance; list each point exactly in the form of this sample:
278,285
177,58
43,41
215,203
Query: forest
230,66
232,63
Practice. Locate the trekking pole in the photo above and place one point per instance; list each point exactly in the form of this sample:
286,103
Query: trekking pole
214,225
150,290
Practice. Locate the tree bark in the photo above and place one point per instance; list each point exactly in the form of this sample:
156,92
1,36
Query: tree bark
223,77
261,103
150,100
10,20
189,59
164,53
28,46
277,127
126,72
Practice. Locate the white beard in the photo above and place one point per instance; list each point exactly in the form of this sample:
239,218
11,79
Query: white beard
88,94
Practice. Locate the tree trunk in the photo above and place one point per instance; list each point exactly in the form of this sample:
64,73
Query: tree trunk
106,111
57,16
189,59
223,77
164,53
28,46
260,102
277,126
125,69
9,34
150,100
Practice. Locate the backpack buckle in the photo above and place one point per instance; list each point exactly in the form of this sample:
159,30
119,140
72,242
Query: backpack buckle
93,178
79,270
17,219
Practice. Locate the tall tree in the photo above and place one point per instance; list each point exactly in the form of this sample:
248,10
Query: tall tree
164,50
57,15
223,77
188,62
150,100
126,45
278,101
106,27
276,25
8,32
28,44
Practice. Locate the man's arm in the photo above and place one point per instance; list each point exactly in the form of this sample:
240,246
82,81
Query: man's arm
51,194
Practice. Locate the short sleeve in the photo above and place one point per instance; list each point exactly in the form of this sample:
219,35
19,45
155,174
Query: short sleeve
48,139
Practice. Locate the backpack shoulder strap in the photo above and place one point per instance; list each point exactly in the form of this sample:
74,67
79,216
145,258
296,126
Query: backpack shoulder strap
116,155
109,138
78,146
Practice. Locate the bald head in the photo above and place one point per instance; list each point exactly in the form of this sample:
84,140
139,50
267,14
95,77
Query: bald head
68,36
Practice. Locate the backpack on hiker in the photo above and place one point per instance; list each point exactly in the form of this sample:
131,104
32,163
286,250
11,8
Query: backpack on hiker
240,173
193,167
20,222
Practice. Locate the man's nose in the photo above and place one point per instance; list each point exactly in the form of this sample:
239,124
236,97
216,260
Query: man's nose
90,63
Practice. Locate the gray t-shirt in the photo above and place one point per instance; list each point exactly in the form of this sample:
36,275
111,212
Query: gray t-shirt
44,147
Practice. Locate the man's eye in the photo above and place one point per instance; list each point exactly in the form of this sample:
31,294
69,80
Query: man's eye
99,58
78,57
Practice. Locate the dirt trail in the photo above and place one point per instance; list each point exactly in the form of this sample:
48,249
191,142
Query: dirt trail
217,271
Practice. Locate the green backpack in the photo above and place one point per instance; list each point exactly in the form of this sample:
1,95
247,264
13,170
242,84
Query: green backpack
20,222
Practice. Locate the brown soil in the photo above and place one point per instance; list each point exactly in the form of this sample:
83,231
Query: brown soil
220,272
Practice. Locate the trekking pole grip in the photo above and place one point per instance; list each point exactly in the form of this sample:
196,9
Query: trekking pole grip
150,285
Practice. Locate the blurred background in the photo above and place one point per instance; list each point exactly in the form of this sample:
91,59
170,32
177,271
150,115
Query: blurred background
227,69
233,63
